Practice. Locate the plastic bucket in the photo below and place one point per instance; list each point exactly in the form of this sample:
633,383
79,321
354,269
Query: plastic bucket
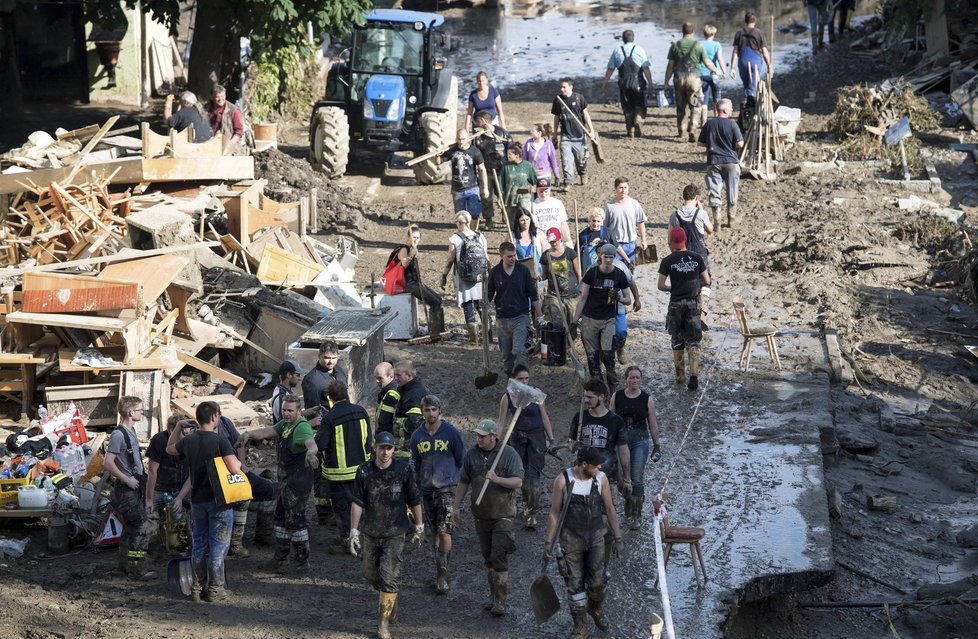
553,349
266,131
655,629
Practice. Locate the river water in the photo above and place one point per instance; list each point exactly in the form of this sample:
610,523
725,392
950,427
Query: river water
528,41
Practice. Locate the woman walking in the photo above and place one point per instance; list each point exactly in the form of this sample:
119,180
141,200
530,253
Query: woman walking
637,409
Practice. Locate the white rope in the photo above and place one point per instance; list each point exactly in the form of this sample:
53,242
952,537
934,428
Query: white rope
661,565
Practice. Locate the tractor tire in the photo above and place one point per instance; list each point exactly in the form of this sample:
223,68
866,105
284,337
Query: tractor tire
439,130
329,141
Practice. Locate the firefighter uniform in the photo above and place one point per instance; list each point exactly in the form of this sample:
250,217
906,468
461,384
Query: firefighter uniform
344,443
408,416
387,400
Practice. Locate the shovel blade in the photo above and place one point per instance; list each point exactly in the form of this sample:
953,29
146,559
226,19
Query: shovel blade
544,598
487,380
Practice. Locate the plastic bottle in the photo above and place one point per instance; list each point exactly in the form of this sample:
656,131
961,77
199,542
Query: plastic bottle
42,413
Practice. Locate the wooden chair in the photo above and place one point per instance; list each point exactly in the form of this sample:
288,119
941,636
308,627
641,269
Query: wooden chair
684,535
750,334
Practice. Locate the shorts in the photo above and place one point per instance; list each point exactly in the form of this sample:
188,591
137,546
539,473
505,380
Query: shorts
439,511
711,89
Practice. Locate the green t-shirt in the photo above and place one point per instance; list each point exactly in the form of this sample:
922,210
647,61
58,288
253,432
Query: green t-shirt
687,55
301,431
513,177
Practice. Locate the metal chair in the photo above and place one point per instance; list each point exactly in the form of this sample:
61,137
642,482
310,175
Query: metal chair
750,334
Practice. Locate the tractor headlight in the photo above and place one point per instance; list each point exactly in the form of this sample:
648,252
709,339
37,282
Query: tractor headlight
368,109
395,109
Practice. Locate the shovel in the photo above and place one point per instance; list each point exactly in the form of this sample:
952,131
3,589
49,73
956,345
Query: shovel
522,395
542,593
488,378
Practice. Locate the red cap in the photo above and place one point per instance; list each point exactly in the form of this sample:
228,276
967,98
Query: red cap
553,235
677,236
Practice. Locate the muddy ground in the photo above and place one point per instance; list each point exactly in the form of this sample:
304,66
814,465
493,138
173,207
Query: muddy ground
816,252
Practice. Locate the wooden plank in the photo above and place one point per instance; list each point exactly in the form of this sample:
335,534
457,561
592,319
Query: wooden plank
237,205
231,407
272,213
155,273
87,148
278,266
146,385
157,357
127,255
213,371
97,402
84,322
138,169
62,293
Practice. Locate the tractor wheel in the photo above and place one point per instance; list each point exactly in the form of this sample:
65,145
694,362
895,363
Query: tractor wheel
439,130
329,141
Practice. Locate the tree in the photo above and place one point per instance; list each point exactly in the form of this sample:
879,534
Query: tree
273,23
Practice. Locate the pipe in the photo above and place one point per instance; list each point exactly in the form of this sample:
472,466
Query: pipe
663,586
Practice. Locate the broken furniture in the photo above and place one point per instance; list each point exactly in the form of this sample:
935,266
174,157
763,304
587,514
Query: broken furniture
359,333
240,414
18,374
750,334
672,535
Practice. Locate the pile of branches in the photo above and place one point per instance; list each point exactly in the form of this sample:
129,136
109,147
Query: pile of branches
864,112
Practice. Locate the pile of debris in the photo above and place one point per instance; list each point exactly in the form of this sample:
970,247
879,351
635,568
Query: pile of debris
863,113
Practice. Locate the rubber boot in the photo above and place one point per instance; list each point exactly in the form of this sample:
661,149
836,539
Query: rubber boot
436,320
618,344
500,588
732,218
638,125
595,600
237,548
694,368
442,577
594,364
629,124
637,503
532,507
715,219
609,366
628,513
473,331
300,550
491,578
583,177
265,523
280,560
678,359
579,616
384,611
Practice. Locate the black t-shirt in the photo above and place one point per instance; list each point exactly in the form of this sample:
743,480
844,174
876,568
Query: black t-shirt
493,149
187,116
571,128
720,135
173,471
602,299
200,447
563,271
606,433
684,270
463,166
383,495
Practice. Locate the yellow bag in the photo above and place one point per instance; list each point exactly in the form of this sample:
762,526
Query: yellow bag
229,488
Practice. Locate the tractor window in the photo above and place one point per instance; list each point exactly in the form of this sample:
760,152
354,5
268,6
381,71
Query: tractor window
389,50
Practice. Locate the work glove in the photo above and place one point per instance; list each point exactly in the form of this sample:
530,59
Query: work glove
626,489
244,439
312,459
417,538
354,542
656,454
618,548
551,447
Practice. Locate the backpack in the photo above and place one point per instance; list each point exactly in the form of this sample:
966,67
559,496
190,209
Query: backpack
394,279
684,65
694,239
629,73
472,260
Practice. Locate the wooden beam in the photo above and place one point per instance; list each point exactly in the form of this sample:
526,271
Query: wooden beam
88,147
213,371
124,256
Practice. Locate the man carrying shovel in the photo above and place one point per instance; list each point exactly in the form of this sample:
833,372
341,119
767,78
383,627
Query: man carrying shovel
497,466
580,553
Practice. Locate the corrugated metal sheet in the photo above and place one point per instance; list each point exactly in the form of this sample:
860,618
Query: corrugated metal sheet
348,326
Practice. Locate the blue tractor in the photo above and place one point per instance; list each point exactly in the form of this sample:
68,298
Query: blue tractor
391,91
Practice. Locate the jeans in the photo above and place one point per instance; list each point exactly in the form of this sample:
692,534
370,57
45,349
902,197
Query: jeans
211,539
640,457
711,88
629,248
513,333
573,152
469,310
468,200
718,176
818,17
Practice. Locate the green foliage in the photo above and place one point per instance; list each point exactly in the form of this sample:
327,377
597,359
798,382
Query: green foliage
284,81
900,14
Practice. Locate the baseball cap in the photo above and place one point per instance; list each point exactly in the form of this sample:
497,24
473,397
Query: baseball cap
553,235
607,249
677,236
385,439
290,366
590,455
486,427
543,183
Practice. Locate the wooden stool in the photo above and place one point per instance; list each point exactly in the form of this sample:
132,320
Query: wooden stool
684,535
750,334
